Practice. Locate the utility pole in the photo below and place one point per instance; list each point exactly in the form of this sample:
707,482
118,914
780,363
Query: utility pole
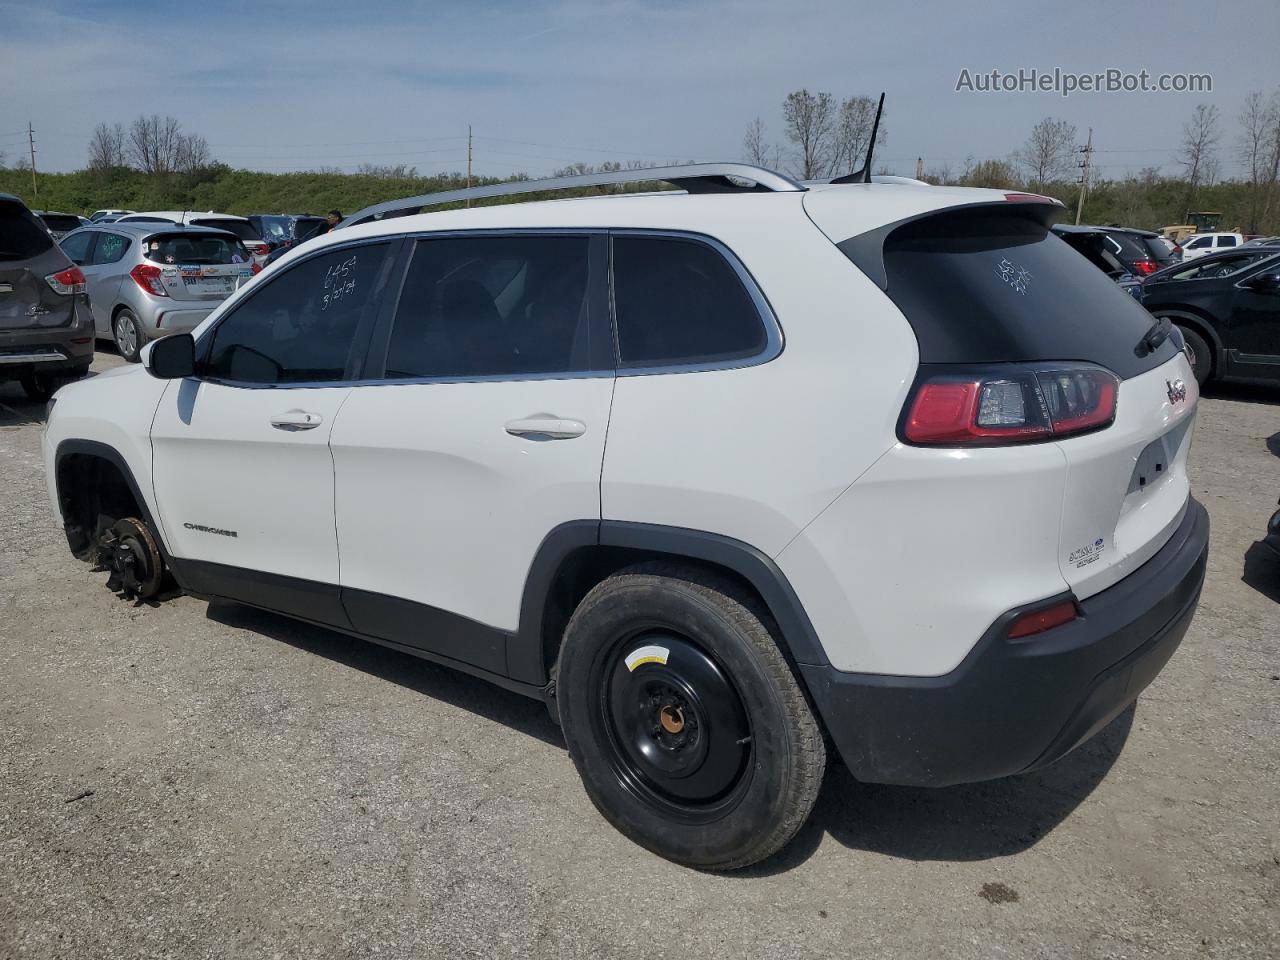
1087,150
468,162
919,168
31,139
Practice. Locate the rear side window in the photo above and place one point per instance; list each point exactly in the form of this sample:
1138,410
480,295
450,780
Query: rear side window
241,228
680,302
993,285
302,325
493,306
111,248
21,234
195,248
1226,241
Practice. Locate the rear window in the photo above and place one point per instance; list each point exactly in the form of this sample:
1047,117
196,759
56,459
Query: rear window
992,285
59,222
276,229
1158,247
21,235
241,228
195,248
1129,246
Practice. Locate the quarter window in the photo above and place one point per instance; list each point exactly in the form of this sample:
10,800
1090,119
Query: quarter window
680,302
300,327
492,306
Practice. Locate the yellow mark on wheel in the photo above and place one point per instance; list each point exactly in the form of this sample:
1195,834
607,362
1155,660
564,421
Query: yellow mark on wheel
650,654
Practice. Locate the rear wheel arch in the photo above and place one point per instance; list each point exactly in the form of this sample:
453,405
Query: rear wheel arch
1195,320
576,556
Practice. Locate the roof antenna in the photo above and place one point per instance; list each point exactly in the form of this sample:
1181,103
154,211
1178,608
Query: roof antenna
864,175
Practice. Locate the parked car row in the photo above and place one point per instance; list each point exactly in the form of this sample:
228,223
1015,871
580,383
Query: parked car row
1225,302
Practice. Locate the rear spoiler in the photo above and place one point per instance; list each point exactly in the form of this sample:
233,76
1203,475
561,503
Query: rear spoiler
866,250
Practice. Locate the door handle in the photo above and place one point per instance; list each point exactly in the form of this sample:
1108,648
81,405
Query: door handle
544,426
296,420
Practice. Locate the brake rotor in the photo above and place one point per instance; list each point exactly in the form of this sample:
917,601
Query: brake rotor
133,558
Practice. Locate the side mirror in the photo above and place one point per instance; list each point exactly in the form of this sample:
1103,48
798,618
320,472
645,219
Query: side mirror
171,358
1264,283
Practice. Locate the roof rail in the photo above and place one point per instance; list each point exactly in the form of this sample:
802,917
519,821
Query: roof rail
691,177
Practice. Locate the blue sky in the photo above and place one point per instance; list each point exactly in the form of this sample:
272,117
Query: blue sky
286,84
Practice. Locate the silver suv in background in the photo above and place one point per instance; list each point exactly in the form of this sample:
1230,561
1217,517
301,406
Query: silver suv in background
46,336
149,279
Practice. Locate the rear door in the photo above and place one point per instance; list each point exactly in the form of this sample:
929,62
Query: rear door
485,434
104,273
28,255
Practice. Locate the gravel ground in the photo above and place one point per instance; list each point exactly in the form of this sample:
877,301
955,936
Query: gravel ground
209,781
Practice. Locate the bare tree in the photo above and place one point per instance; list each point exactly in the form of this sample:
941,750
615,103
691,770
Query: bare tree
810,121
1049,152
192,153
757,150
107,147
1199,148
1259,152
155,143
852,134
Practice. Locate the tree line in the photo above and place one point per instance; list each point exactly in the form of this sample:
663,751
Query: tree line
825,136
154,163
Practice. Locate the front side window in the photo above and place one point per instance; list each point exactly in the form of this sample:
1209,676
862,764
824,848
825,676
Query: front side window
111,247
680,302
492,306
1200,242
300,327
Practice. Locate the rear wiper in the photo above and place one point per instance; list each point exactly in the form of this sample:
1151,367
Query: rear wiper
1159,332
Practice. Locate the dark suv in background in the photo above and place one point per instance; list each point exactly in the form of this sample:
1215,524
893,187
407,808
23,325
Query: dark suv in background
1120,250
46,333
1227,306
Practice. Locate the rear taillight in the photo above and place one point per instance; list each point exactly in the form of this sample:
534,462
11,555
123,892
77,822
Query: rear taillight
256,268
988,406
148,278
1145,266
67,282
258,249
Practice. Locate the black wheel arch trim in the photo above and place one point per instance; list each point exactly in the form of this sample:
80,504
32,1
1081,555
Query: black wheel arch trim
1193,318
526,654
103,451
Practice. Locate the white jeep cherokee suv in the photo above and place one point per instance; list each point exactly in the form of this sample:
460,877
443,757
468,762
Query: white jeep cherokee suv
731,478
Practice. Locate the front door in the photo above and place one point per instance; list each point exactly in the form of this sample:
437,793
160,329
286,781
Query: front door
487,433
242,468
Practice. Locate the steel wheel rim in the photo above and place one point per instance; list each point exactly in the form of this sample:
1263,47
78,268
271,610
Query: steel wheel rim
674,729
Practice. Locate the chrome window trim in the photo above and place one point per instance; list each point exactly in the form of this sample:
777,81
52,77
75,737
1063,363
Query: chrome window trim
774,339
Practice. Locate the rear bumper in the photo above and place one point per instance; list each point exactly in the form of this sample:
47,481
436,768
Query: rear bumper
1012,706
164,320
52,350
